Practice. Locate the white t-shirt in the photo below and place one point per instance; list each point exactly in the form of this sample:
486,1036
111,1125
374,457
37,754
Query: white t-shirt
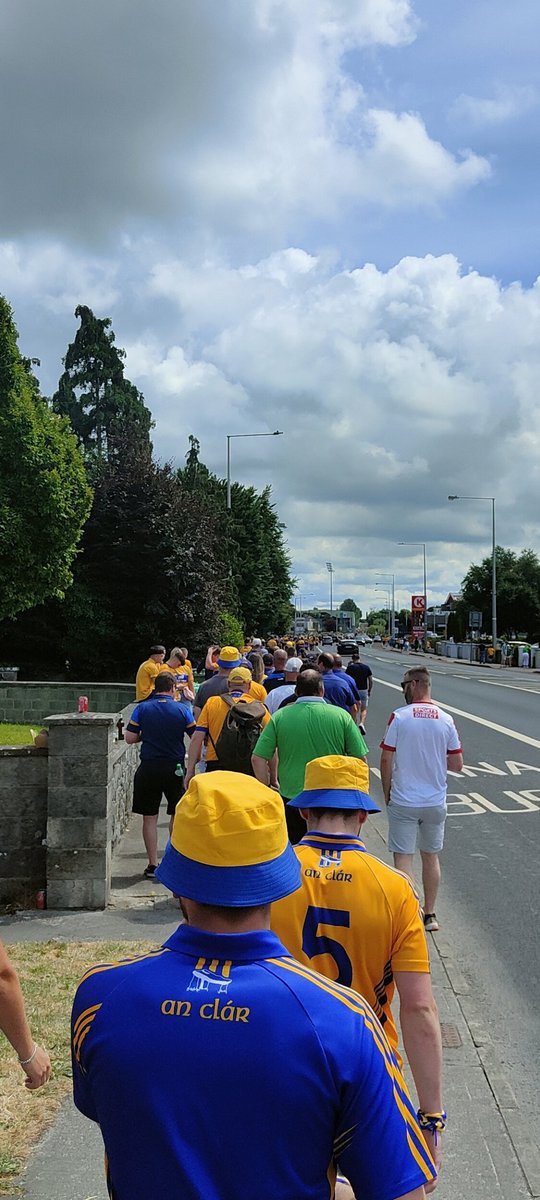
421,736
277,695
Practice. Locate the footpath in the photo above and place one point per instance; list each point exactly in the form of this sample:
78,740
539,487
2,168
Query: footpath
490,1152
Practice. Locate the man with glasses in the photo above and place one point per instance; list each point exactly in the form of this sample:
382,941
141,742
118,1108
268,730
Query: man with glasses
420,745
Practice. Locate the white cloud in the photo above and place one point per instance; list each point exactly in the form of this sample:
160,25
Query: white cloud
507,104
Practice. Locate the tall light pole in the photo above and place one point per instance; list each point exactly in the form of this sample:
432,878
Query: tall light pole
493,563
330,570
423,545
389,575
386,592
230,436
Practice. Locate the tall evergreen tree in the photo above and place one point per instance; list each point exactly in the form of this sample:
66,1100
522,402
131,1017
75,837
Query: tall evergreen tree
44,495
102,406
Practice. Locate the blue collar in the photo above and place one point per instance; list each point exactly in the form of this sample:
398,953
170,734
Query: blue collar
343,840
240,947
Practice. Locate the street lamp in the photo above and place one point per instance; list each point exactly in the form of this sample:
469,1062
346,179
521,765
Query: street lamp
389,575
386,592
423,545
493,564
230,436
330,570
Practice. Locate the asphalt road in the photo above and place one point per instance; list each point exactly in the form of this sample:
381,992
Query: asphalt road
488,905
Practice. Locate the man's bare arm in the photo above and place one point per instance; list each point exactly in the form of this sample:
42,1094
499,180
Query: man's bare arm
195,750
386,766
421,1034
454,762
261,768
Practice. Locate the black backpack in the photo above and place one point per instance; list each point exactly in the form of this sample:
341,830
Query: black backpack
239,734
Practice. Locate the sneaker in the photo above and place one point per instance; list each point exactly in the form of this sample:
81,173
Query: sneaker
362,729
431,923
150,871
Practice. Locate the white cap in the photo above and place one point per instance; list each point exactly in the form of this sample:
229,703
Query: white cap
293,664
256,642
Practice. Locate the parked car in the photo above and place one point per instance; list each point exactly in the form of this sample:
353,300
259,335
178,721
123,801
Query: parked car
347,647
327,640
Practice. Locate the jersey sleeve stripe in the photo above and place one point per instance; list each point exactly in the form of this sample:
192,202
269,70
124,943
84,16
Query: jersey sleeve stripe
82,1017
384,746
123,962
458,751
422,1157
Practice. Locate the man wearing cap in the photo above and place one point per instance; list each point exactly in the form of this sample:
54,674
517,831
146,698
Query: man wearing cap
212,718
358,921
219,1068
228,658
299,732
278,694
148,672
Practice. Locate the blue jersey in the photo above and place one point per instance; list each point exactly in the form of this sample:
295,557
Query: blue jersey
218,1068
338,690
162,723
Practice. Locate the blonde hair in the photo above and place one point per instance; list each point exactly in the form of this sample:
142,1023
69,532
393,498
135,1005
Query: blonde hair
257,667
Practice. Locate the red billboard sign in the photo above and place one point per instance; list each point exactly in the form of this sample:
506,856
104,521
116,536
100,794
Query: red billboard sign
418,604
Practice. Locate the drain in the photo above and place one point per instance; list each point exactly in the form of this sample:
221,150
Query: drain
451,1037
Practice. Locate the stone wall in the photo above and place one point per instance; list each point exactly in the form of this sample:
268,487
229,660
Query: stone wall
23,824
63,810
22,703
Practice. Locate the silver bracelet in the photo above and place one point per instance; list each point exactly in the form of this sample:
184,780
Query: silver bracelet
23,1062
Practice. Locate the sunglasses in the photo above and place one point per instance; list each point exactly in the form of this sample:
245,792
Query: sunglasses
405,683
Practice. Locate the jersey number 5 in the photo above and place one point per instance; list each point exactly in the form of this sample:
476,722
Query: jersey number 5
314,943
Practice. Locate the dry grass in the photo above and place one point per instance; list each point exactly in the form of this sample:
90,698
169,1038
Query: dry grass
17,735
49,974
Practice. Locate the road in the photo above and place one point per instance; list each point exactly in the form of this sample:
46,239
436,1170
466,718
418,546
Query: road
488,905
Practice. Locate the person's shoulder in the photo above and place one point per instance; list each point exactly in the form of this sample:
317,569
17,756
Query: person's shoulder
102,978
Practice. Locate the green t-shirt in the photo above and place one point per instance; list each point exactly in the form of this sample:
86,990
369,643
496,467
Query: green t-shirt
305,730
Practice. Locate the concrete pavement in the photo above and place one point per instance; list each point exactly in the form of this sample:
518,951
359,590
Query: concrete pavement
489,1145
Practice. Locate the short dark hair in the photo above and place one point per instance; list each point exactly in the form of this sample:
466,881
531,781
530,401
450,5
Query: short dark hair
164,682
343,813
308,683
157,650
326,660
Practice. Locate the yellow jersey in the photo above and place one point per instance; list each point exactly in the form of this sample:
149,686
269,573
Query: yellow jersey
146,677
257,692
212,717
354,919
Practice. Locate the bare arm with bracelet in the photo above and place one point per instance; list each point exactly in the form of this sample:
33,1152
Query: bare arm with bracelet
34,1061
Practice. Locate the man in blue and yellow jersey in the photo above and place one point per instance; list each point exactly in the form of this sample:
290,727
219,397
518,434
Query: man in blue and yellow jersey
148,672
218,1068
359,922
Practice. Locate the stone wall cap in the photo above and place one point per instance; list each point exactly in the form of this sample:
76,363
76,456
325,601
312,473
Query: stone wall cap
59,683
23,751
76,718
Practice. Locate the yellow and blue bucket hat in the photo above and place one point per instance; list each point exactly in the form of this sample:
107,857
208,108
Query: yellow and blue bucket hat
229,656
229,843
336,781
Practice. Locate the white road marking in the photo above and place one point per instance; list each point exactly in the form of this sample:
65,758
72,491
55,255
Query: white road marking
511,733
514,686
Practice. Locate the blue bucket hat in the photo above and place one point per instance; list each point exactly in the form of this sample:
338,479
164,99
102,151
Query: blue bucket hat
336,782
229,656
229,844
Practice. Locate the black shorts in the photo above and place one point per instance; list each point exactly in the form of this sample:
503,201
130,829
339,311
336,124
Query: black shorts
153,779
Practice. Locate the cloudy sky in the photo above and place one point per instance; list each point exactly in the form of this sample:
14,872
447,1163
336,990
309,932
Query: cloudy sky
319,216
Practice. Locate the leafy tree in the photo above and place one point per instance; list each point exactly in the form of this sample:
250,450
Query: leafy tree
351,606
518,592
229,632
102,406
256,567
44,495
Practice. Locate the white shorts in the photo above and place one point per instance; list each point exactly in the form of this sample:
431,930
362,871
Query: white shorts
413,826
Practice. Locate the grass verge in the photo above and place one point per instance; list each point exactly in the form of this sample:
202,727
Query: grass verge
18,735
49,974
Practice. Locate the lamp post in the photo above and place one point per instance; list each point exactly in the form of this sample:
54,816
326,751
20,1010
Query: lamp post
389,575
493,563
330,570
386,592
423,545
230,436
